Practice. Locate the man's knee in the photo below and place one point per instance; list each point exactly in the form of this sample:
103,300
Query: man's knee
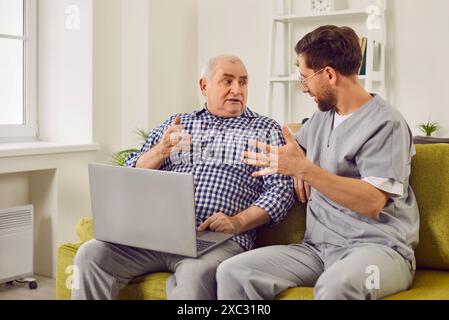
338,287
194,280
196,271
226,271
93,251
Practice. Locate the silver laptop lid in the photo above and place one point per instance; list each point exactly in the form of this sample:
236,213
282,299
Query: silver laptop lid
144,208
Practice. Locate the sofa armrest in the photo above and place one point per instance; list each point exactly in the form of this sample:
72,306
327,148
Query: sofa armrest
85,229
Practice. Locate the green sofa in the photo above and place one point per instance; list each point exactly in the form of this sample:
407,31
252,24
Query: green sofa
430,182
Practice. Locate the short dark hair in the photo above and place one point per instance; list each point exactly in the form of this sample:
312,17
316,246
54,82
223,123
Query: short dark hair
336,47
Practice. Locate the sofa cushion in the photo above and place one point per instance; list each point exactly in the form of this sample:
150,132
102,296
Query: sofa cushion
298,293
148,287
428,285
290,230
430,183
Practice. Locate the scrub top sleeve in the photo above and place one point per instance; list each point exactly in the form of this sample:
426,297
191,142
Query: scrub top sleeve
301,135
387,153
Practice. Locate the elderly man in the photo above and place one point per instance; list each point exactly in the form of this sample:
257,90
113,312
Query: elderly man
208,143
362,215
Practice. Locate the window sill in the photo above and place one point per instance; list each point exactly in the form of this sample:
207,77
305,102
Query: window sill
17,149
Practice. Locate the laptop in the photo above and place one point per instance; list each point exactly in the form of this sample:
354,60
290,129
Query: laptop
149,209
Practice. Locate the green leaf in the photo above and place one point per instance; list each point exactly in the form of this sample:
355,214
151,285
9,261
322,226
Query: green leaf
429,127
120,157
142,134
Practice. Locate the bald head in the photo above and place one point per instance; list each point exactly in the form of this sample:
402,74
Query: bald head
224,83
208,68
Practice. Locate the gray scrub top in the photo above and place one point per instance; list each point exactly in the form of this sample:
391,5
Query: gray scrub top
374,142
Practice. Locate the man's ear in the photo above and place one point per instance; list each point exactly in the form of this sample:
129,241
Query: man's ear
331,74
203,87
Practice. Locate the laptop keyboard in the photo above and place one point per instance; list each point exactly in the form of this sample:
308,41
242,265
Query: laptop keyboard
203,244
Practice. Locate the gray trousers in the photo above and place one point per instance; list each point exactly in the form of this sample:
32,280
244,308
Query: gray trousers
364,271
103,268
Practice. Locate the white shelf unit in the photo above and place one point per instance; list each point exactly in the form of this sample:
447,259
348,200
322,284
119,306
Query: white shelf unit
318,17
285,25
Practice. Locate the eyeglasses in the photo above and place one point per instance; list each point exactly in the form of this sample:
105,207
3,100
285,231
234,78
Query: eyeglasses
303,81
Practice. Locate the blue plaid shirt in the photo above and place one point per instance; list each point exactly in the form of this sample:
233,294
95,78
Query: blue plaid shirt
223,183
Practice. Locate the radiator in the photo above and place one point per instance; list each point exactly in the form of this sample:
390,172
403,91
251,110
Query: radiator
16,243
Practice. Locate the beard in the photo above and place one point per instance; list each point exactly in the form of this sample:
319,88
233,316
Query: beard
328,100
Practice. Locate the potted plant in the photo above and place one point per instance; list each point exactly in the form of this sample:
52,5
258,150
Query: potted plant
428,129
120,157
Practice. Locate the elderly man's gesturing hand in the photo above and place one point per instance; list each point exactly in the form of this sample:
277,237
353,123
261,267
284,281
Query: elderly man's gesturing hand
174,139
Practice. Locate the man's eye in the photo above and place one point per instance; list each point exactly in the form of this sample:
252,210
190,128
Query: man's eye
243,82
227,81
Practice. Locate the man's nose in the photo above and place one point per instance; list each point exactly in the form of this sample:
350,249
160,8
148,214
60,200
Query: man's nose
235,88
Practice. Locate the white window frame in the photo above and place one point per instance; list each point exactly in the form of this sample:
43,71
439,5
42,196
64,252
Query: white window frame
29,130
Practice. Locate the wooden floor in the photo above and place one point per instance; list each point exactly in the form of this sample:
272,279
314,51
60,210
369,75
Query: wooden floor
18,291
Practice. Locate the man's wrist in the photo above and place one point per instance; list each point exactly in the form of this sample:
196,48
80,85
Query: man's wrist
151,159
240,222
251,218
307,172
158,152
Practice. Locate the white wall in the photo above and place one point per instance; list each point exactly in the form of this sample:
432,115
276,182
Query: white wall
107,75
241,28
417,50
135,61
174,70
419,47
64,72
57,185
120,72
14,190
145,66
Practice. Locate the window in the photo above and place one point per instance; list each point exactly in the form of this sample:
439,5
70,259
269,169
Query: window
18,99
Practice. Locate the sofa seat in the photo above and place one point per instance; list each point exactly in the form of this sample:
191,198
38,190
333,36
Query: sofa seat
148,287
428,285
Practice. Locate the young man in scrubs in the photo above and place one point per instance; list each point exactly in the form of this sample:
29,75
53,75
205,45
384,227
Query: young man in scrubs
351,161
